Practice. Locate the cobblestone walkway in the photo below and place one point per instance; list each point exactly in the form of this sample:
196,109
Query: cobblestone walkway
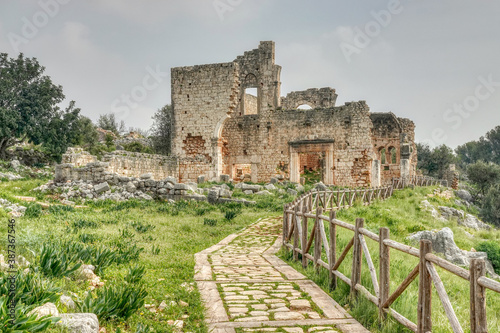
246,288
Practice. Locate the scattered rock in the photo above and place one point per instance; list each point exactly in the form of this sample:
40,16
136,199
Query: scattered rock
443,242
79,322
48,309
264,192
101,188
464,195
320,187
67,302
270,187
291,192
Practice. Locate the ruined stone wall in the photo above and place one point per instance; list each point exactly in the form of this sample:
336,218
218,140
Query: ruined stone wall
78,157
131,164
202,98
264,142
315,98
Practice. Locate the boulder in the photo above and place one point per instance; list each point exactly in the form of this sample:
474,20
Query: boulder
443,242
449,212
270,187
130,187
426,205
101,188
299,188
180,186
48,309
201,179
264,192
15,164
213,196
274,180
253,188
320,186
464,195
171,180
248,192
146,176
80,322
291,192
470,221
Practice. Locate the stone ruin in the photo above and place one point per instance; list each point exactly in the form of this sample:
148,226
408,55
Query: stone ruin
220,130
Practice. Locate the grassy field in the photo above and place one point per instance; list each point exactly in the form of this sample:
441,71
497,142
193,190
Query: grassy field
403,215
169,234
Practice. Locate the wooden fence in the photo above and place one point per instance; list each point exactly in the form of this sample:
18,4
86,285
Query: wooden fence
311,206
400,183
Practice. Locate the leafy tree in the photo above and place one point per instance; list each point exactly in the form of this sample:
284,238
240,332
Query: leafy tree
483,175
161,131
473,151
491,208
28,107
434,162
86,134
493,137
108,122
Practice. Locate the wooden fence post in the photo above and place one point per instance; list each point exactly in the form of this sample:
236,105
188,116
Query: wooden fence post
295,234
333,250
357,256
424,324
478,322
285,227
317,240
384,274
304,236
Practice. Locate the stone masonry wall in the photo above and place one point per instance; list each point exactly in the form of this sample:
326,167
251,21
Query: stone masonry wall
265,145
78,157
202,98
315,98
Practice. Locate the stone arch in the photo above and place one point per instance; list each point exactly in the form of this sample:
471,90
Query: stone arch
218,145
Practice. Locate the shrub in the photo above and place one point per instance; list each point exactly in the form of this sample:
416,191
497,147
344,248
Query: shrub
33,210
210,222
135,274
142,228
54,263
493,250
491,206
230,215
80,224
137,147
31,288
114,301
22,322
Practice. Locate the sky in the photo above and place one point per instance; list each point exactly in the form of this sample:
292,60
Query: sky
435,62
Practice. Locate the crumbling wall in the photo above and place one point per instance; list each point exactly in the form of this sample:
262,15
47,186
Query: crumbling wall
314,97
78,157
265,143
131,164
202,98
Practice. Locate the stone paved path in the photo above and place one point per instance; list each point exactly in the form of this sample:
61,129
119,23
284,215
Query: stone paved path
246,288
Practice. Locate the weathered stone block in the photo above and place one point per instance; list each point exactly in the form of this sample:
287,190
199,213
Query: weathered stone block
101,188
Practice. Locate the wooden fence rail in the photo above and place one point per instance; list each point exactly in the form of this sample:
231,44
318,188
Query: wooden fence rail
311,206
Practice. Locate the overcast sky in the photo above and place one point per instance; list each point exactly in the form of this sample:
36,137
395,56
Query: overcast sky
433,61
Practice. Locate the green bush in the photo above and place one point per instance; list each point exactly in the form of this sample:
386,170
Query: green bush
53,262
135,274
31,288
33,210
493,250
230,215
112,302
490,210
22,322
138,147
210,222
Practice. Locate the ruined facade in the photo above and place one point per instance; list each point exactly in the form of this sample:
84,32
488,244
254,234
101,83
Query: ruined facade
221,128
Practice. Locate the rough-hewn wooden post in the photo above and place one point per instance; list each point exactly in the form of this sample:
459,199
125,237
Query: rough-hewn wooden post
478,322
356,259
317,240
295,234
304,237
285,227
424,324
333,249
384,274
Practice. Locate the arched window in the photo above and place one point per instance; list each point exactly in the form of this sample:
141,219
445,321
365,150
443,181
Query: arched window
304,107
394,156
383,157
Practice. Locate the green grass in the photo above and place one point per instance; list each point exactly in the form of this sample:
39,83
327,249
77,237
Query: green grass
402,215
177,229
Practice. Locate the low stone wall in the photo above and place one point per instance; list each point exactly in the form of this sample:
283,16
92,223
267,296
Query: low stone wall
136,164
78,157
